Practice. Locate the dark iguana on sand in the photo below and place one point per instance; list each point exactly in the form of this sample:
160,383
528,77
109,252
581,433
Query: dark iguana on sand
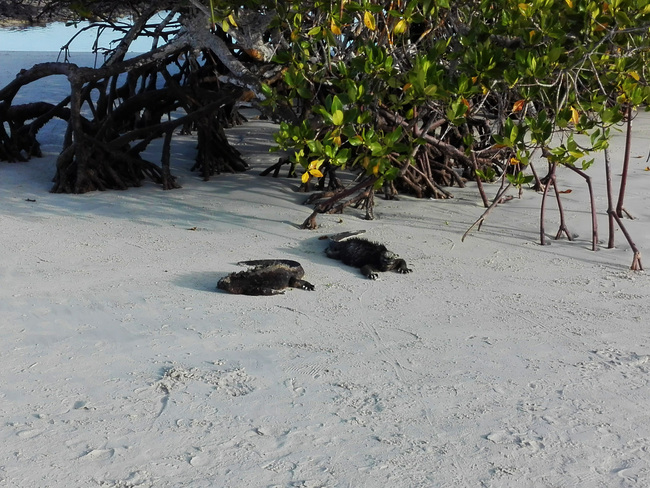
361,253
268,277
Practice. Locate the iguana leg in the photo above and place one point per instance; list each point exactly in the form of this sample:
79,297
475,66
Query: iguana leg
402,267
369,272
305,285
258,291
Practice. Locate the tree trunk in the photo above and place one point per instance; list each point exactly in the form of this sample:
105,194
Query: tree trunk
114,112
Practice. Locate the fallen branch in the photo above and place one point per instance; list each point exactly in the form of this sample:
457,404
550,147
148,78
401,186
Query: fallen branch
310,222
497,200
636,259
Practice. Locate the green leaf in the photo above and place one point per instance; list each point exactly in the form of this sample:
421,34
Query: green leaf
502,141
336,104
337,117
267,91
315,147
355,141
325,114
394,136
391,173
520,179
622,19
555,53
376,148
586,164
304,92
430,90
611,115
314,31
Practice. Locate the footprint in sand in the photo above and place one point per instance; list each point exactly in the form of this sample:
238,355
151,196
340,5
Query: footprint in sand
98,454
28,433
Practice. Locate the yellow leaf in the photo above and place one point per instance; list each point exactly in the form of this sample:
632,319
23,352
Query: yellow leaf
231,19
337,140
647,168
519,105
335,28
575,116
316,173
305,177
485,89
337,117
634,75
375,169
514,161
406,87
465,101
400,27
315,164
523,6
569,3
369,20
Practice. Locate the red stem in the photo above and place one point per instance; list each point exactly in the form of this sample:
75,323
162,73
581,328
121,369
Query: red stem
594,220
626,162
542,236
610,199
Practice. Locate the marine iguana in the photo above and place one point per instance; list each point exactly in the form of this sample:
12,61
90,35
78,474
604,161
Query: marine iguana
268,277
361,253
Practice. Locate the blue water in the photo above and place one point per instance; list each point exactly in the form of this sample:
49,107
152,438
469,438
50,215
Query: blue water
51,89
54,36
25,47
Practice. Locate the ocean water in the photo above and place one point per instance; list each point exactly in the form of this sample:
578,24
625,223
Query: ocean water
22,48
51,89
54,36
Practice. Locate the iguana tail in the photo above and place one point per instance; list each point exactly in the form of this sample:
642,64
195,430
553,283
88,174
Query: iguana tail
345,235
270,262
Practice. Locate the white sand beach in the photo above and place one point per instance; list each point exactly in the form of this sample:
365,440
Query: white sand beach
497,363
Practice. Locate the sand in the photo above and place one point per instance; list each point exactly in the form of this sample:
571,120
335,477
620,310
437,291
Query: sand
498,362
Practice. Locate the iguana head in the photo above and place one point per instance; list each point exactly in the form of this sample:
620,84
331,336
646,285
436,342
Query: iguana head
387,258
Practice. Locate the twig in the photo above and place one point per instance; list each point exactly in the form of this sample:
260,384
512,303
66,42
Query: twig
542,211
479,183
626,163
610,199
563,227
481,219
594,220
636,259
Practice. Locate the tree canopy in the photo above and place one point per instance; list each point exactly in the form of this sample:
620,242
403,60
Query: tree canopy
412,96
